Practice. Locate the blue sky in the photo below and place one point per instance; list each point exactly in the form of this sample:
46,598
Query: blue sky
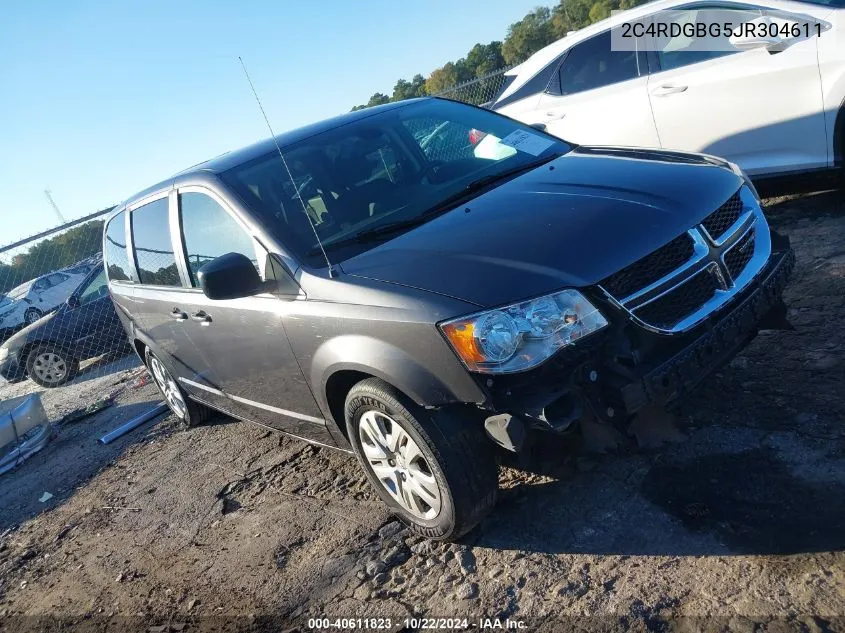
103,99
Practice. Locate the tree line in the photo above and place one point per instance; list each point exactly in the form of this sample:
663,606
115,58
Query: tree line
52,254
539,28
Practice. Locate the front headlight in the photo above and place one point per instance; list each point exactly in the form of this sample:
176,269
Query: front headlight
523,335
738,171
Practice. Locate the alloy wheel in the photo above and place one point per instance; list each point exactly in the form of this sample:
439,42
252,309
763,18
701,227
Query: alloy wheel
168,386
50,367
31,316
399,464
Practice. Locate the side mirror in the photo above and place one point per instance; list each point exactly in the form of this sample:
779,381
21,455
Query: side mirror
746,41
230,276
538,126
72,302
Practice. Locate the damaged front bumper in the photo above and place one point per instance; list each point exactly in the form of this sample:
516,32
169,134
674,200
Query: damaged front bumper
762,308
630,370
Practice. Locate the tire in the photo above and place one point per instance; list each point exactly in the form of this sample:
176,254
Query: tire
188,412
32,315
444,481
50,366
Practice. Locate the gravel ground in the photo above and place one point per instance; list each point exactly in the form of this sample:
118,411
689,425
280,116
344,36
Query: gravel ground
741,526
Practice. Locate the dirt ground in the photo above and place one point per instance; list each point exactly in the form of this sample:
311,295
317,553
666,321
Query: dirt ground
739,527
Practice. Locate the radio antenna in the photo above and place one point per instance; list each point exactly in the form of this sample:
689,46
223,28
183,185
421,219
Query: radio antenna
287,169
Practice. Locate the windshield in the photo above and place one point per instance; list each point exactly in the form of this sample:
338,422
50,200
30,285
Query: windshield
390,168
20,291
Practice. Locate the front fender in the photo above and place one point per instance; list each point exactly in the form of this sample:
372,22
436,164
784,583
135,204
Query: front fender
414,377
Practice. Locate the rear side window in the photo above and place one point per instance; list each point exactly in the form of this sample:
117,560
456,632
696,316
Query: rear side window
209,232
117,260
153,247
592,64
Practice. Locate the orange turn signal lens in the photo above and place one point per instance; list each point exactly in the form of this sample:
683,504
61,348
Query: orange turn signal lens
462,337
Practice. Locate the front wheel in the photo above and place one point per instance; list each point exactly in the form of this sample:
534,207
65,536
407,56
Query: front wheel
32,315
434,469
190,413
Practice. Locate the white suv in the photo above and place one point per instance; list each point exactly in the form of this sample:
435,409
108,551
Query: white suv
30,301
774,105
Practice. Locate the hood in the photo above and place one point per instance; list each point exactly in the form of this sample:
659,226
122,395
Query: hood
19,338
569,223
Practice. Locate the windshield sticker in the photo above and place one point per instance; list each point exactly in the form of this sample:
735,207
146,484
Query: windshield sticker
527,142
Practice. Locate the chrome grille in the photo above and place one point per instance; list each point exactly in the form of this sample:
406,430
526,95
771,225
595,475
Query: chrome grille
710,263
738,257
651,267
724,217
668,309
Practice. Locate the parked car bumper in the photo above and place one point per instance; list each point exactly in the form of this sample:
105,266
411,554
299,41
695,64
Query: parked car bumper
11,370
7,332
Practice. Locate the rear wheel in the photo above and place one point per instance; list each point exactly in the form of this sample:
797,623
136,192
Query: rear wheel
50,366
434,469
188,412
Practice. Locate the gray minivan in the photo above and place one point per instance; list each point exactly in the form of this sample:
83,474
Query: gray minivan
428,305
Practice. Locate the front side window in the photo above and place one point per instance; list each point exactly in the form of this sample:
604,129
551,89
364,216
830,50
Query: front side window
95,289
153,247
686,49
592,64
115,255
354,184
209,232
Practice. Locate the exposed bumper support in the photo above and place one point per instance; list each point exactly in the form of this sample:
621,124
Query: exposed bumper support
682,372
506,430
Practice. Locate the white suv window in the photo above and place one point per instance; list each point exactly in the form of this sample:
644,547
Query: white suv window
592,64
675,52
57,278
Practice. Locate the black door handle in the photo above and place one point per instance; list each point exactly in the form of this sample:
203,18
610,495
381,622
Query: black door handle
202,317
177,314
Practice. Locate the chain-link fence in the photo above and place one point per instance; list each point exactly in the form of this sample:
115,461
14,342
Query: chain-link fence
481,91
58,326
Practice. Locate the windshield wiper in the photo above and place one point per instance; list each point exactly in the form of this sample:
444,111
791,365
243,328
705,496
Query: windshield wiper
374,233
485,181
444,205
